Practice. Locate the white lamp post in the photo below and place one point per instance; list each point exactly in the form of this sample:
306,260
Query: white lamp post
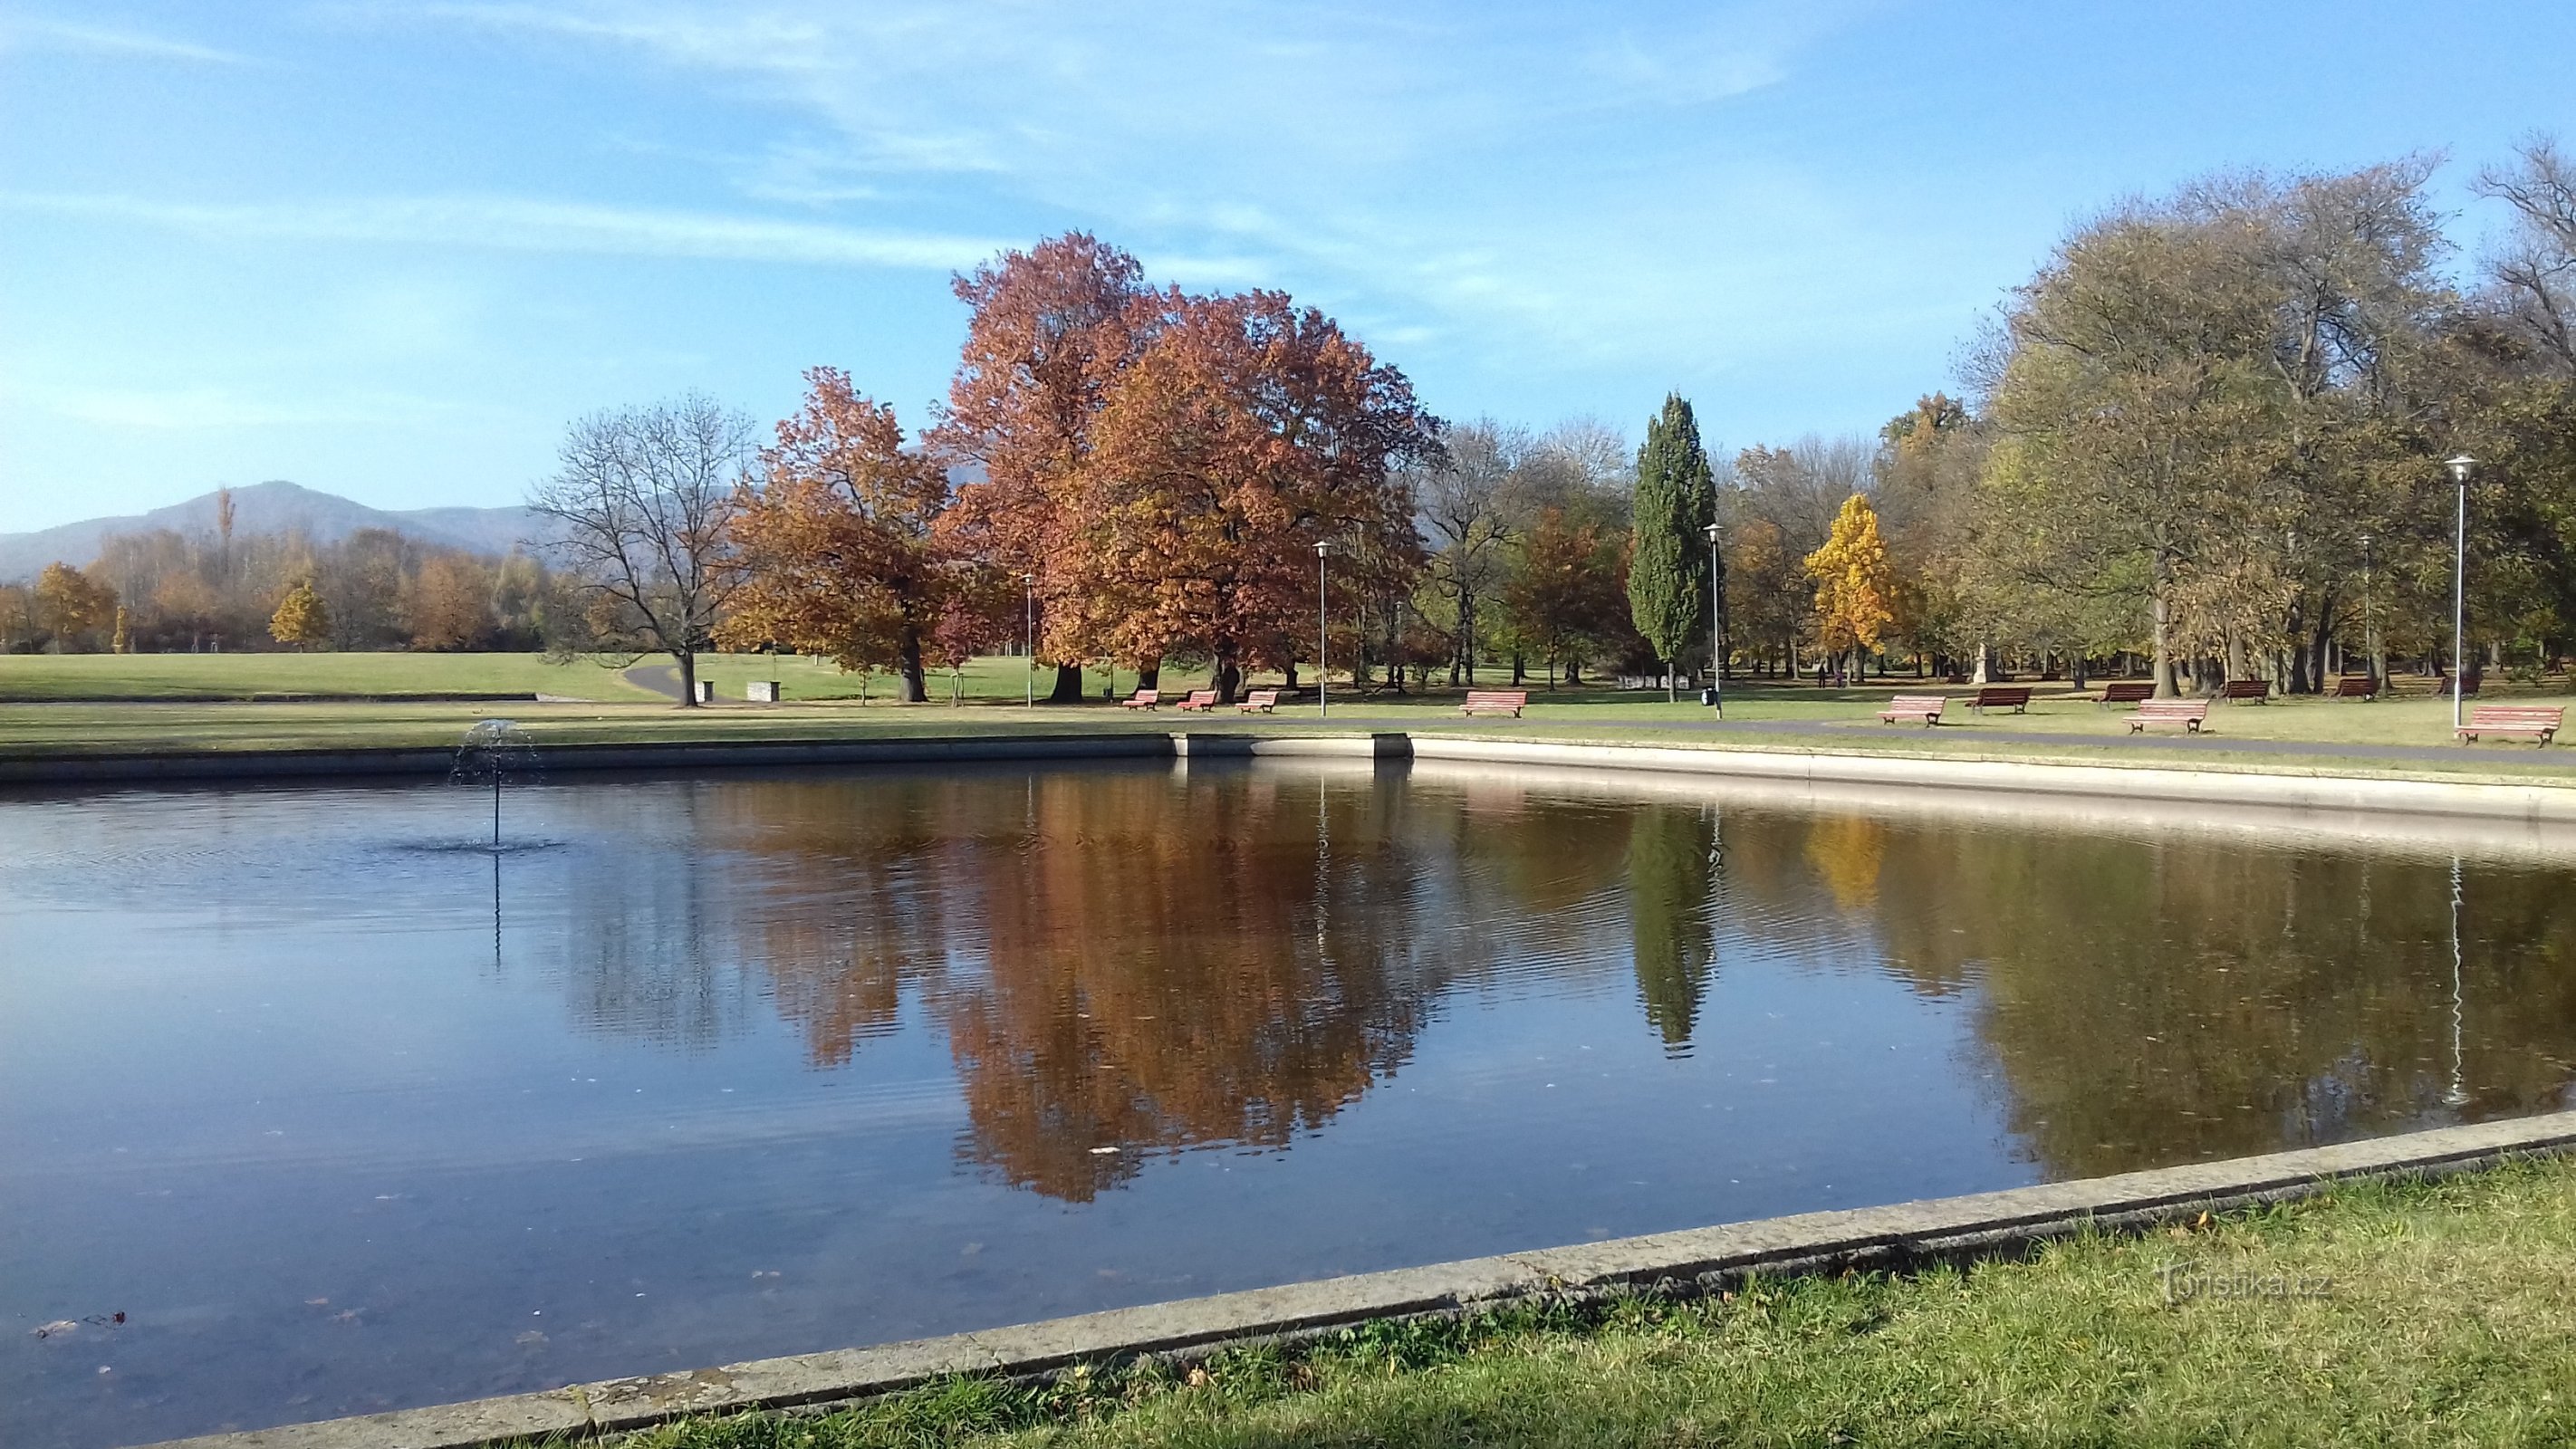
2459,467
1716,642
1323,617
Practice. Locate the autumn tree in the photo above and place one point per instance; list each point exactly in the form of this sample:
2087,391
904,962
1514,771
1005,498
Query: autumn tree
836,544
1053,328
1567,594
447,603
1669,586
1247,431
72,607
643,499
1855,587
302,619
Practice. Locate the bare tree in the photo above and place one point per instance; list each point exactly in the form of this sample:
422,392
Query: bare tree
642,497
2536,271
1466,503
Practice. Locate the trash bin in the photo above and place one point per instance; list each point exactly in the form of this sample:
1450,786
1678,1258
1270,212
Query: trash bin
1708,696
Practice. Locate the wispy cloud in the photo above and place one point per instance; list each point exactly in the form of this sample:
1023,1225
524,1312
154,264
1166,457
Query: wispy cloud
522,224
27,34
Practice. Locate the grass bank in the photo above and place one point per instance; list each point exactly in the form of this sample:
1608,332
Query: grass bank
2438,1314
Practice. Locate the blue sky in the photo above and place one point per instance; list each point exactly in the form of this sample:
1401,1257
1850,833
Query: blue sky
390,249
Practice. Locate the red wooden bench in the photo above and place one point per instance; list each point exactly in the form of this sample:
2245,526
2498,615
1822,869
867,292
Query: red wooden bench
2356,686
2127,691
1142,699
2189,713
1924,707
1259,701
1496,701
2538,721
2016,699
1200,699
2257,690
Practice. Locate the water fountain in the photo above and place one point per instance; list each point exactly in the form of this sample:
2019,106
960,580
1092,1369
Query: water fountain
495,751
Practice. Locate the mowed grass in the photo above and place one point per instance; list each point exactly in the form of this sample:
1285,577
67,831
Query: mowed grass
2444,1314
236,676
193,702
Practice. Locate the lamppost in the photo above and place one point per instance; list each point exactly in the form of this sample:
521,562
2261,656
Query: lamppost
2459,467
1029,640
2369,624
1716,643
1323,619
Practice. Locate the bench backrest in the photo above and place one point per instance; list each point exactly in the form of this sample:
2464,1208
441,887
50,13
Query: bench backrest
2128,691
1498,696
2004,696
2174,708
1909,703
1262,696
1147,696
2516,714
2356,684
1202,696
2249,689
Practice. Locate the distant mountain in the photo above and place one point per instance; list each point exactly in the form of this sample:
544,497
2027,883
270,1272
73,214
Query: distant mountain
276,507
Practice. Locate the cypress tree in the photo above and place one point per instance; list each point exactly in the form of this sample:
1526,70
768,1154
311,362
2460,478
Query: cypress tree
1668,582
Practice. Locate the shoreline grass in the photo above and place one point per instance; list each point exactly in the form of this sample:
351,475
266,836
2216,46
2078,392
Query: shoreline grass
2440,1312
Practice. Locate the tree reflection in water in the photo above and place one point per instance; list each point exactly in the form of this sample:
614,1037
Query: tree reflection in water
1132,962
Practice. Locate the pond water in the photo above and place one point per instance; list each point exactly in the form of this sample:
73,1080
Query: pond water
344,1111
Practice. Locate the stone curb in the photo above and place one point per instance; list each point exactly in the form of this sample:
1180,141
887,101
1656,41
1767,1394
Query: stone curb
1698,1259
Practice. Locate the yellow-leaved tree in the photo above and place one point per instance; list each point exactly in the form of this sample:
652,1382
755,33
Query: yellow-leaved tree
1855,585
301,618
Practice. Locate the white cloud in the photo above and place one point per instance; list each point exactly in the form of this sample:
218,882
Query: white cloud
521,224
25,34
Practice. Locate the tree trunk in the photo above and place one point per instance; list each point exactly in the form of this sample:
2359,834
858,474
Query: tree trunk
1068,685
1228,679
1149,675
688,677
2158,617
1520,670
914,689
1290,682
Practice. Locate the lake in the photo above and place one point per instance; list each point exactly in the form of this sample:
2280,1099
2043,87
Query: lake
344,1110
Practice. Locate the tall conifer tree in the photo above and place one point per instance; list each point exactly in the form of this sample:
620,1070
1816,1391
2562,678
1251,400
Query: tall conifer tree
1668,575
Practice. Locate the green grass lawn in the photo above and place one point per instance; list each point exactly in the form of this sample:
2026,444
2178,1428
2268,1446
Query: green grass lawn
185,676
186,702
2447,1317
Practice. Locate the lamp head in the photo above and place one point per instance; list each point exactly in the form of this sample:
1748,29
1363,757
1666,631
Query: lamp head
1710,531
1323,546
2460,467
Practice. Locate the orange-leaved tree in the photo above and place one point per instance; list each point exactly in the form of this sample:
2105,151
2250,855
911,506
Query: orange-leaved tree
72,606
1053,328
835,543
1855,585
1246,431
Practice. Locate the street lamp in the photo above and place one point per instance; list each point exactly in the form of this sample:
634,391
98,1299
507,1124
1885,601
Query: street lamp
1029,640
2369,625
1716,644
2459,467
1323,706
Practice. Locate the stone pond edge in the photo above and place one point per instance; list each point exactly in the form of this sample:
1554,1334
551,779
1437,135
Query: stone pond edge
2532,804
1694,1260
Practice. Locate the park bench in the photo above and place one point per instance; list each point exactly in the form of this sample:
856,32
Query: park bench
1142,699
2016,699
2538,721
2356,686
2257,690
2127,691
2189,713
1259,701
1200,699
1925,707
1496,701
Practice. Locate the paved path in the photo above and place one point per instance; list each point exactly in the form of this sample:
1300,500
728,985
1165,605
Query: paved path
662,679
